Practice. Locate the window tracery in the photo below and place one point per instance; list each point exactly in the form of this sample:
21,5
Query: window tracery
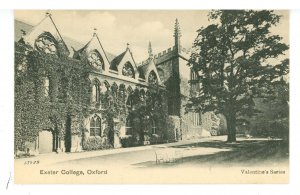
95,60
95,126
152,78
46,44
128,70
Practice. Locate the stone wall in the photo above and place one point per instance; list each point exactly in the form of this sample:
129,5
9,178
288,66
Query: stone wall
191,132
166,67
184,74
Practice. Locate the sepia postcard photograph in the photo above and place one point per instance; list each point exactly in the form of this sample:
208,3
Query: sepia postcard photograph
151,97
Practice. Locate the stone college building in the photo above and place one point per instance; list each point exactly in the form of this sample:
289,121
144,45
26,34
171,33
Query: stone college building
71,96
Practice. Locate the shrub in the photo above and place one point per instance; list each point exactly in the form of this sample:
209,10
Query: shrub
280,128
128,141
96,143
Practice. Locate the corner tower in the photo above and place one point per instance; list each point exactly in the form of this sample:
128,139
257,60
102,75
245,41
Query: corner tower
168,66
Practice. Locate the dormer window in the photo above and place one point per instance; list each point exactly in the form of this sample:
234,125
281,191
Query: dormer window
128,70
46,43
152,78
95,60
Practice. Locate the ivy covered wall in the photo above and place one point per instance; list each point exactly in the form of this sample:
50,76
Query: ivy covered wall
53,92
49,90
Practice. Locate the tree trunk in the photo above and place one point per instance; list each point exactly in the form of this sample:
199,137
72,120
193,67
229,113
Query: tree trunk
68,134
231,127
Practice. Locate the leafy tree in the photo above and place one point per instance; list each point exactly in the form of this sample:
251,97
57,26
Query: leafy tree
274,114
236,60
149,107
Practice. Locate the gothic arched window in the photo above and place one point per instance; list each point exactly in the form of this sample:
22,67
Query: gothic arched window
46,43
152,78
96,92
95,126
114,90
129,102
95,60
128,126
128,70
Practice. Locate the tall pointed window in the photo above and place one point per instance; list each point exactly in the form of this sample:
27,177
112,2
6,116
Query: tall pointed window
128,70
96,92
152,78
95,126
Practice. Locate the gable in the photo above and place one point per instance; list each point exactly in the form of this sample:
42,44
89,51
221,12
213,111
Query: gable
127,58
116,61
46,26
147,68
151,67
95,45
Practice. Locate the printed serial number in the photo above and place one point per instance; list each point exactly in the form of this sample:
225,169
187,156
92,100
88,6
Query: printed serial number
30,162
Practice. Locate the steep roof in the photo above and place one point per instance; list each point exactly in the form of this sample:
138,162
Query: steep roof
70,43
19,26
77,48
116,61
142,69
48,27
77,53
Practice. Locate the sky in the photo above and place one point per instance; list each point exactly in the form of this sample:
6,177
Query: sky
136,27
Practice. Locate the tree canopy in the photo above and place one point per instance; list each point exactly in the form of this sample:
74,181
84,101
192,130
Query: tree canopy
237,58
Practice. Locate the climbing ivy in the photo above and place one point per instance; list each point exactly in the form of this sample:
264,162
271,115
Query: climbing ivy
69,99
67,94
